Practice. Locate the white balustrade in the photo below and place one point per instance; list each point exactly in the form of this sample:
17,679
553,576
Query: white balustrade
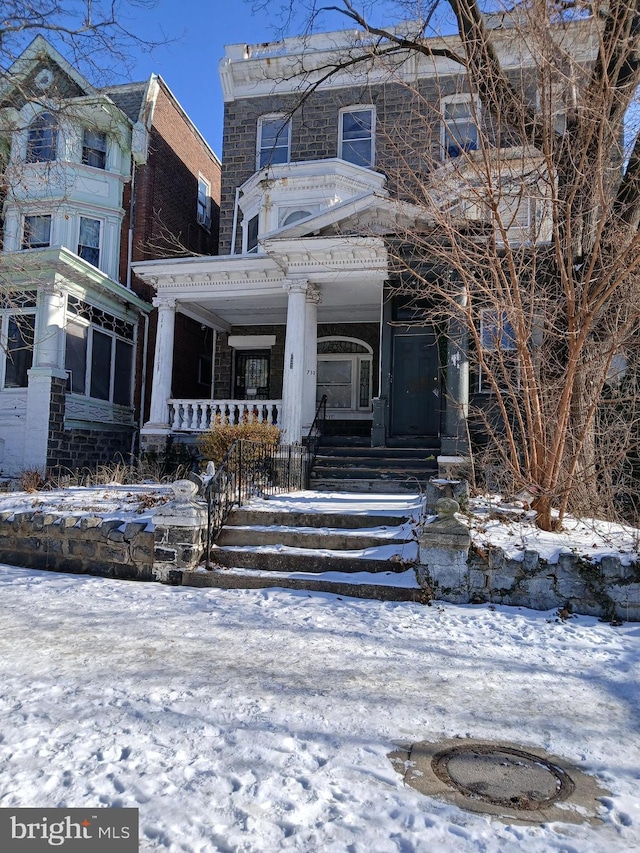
201,415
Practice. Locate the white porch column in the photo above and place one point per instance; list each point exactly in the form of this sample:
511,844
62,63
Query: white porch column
48,364
313,298
162,367
48,344
294,361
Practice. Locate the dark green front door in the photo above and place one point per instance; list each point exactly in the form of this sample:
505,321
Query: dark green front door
415,384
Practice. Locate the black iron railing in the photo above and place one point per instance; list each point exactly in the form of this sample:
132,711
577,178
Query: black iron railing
315,434
252,469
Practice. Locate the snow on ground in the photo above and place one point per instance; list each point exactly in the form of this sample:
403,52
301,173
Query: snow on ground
254,721
513,529
130,503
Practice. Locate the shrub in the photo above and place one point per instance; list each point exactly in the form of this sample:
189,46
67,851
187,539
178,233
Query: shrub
213,445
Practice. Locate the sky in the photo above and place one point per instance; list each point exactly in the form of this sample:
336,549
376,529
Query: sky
197,32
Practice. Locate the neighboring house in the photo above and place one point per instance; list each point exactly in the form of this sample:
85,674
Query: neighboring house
305,300
92,179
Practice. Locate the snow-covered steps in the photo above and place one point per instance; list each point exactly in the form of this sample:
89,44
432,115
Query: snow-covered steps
363,546
381,586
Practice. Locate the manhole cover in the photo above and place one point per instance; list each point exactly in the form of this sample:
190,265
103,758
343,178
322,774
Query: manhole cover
503,776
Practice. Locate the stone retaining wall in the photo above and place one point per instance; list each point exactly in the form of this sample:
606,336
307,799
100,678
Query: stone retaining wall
454,571
91,544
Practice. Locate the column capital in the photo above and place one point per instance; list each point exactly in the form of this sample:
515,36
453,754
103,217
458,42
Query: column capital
164,302
296,285
313,294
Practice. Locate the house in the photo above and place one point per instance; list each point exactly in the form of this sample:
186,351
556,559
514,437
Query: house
305,299
93,178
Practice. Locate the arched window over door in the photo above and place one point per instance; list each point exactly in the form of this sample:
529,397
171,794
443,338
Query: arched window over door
345,374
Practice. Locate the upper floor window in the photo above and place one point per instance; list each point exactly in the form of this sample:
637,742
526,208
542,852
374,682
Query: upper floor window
356,138
89,240
37,232
42,139
459,125
94,149
204,202
252,234
274,140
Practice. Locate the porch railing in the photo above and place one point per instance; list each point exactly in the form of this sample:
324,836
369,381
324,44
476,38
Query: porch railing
252,469
199,415
315,434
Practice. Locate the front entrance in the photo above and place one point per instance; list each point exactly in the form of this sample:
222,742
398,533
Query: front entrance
415,383
252,375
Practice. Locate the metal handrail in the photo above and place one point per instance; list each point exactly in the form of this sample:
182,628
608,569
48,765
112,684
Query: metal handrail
251,469
315,434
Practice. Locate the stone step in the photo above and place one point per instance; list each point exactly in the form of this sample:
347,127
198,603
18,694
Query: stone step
379,486
377,452
293,561
303,537
383,464
228,579
345,472
344,521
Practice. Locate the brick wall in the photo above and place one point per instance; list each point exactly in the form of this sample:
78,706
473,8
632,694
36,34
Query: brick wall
166,190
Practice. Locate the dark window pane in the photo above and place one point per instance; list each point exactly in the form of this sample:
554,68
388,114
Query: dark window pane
37,232
122,374
43,139
252,234
20,338
94,149
89,240
75,359
100,366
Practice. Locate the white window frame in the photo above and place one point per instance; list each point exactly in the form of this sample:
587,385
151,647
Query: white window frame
5,317
475,111
356,359
85,130
259,147
55,129
24,230
203,212
245,232
91,329
355,108
506,344
100,239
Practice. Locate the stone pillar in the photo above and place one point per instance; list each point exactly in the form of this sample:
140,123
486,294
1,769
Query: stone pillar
294,356
313,298
454,440
158,423
443,548
180,534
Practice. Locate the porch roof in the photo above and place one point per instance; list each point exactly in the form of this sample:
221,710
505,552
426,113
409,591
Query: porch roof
249,289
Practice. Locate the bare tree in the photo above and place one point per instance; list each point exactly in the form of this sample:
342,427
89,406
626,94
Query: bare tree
532,234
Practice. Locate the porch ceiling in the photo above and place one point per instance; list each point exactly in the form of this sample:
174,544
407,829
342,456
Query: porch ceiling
354,300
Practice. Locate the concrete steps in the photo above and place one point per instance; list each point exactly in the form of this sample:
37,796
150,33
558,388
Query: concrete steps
374,469
364,555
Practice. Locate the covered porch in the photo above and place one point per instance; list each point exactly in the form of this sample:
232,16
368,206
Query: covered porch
298,320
